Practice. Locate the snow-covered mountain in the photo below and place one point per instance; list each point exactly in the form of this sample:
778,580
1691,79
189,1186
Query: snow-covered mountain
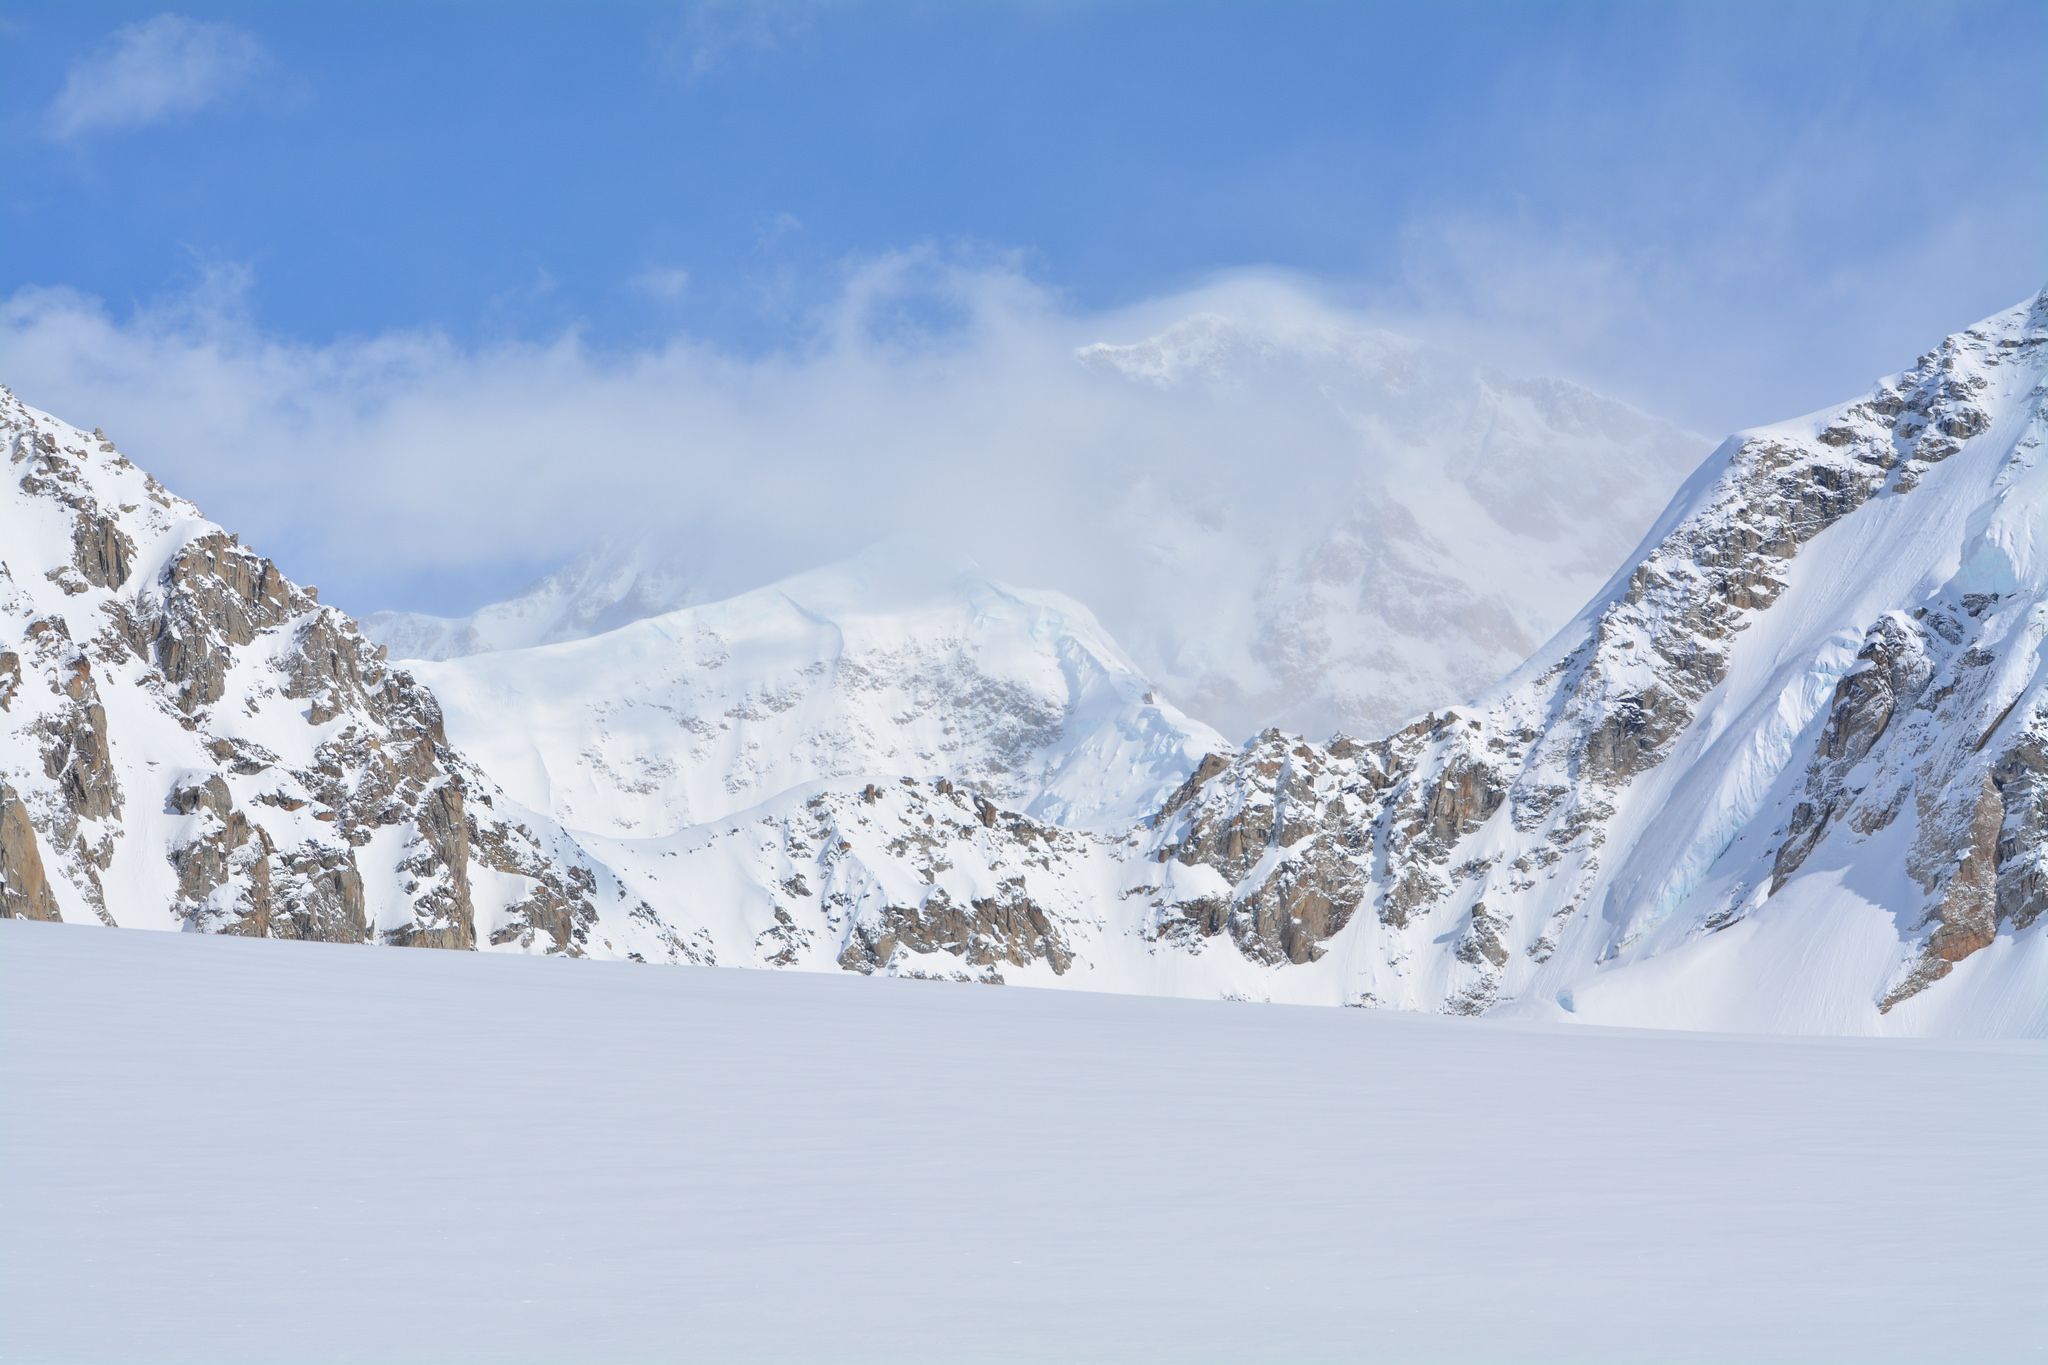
1787,770
898,661
189,740
1784,772
1458,517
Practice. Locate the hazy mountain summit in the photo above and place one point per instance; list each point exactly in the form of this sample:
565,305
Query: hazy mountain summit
613,584
1460,519
1386,528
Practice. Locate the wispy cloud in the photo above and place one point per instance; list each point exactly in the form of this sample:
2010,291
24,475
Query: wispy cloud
712,32
932,397
663,282
153,70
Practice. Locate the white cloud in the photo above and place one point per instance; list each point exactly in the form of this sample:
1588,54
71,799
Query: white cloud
153,70
663,282
929,399
902,401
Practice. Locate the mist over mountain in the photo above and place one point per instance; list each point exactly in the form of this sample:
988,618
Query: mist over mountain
1364,527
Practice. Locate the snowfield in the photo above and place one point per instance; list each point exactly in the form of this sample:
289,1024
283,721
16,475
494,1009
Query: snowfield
226,1149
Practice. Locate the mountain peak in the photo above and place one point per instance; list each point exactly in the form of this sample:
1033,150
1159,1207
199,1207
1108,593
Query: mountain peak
902,660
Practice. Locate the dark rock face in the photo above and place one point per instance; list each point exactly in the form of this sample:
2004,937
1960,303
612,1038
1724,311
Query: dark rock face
1277,825
1633,737
102,551
1893,669
560,912
2021,777
1986,859
75,747
1922,736
24,889
1968,915
1006,927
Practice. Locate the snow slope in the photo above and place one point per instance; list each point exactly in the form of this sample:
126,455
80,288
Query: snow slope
1457,517
895,662
220,1150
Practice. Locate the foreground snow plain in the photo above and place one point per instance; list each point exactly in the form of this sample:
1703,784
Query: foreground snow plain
228,1149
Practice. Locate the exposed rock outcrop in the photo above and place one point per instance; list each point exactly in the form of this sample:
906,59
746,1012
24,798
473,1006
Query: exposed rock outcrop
24,889
180,721
951,877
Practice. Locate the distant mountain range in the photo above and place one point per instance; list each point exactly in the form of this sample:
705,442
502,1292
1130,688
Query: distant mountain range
1786,768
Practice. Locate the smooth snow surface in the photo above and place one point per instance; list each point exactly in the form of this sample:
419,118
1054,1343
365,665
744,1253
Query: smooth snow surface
222,1150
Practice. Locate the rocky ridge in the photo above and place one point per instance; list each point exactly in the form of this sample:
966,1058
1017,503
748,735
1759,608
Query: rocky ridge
188,739
1506,826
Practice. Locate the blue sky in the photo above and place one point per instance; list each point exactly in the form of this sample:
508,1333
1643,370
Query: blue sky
1724,214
